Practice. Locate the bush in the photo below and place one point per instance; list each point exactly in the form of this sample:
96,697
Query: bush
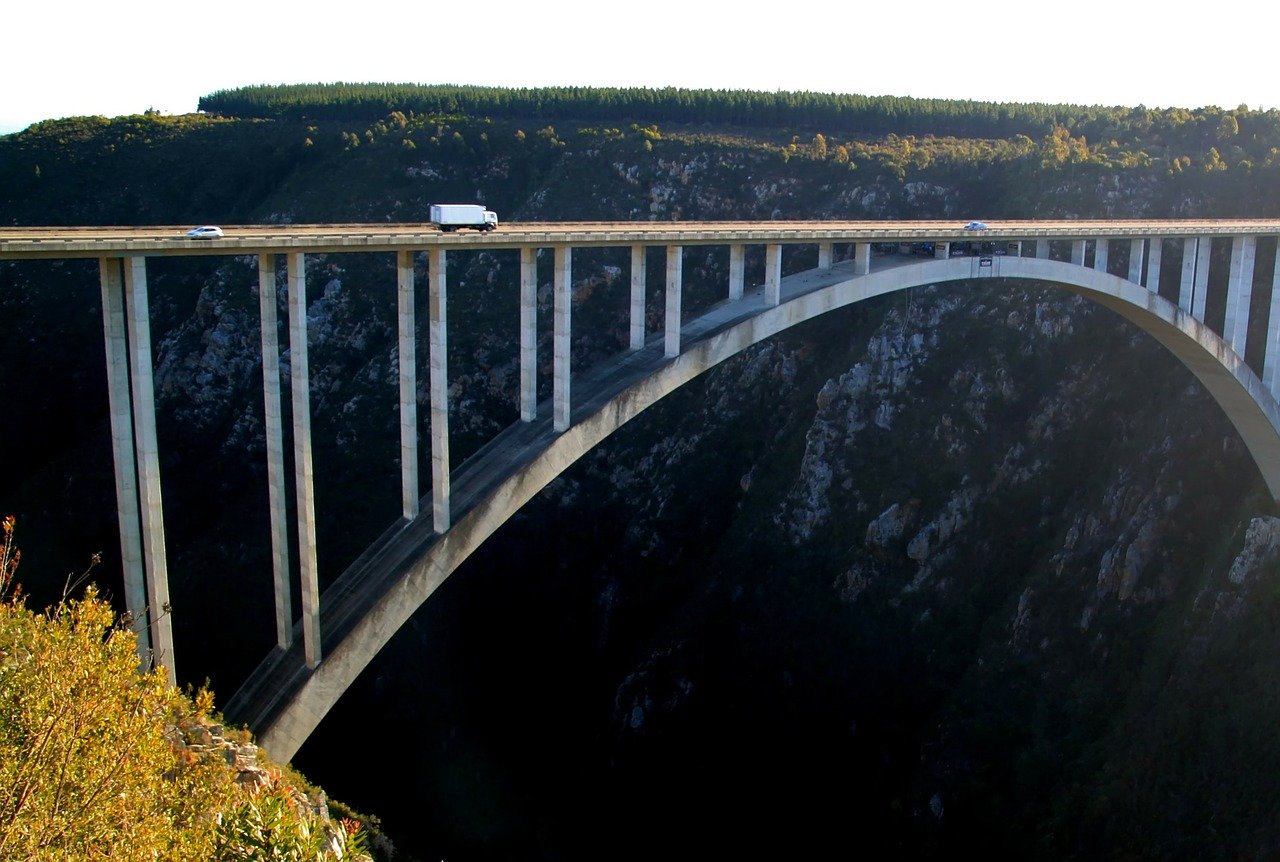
95,761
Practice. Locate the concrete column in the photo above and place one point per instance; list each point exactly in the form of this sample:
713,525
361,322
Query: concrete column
1042,249
560,336
737,270
675,287
1101,254
1153,264
1186,284
773,274
438,346
273,422
529,333
121,406
824,255
1270,373
638,274
406,327
1019,252
147,453
300,386
1077,252
862,259
1200,290
941,250
1235,326
1135,260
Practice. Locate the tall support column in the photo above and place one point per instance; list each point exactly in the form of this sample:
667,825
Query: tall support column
862,258
1042,249
1186,284
1153,264
1200,289
528,333
560,337
438,345
407,327
1077,252
147,453
1101,254
773,274
273,422
1019,251
1235,326
638,274
675,289
737,270
824,255
300,386
1136,247
1271,358
121,405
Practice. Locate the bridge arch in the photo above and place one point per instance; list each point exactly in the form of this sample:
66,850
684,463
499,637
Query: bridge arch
1236,388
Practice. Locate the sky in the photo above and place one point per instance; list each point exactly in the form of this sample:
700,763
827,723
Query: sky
61,58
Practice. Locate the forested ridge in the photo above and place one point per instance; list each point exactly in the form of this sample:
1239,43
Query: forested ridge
1209,161
1257,132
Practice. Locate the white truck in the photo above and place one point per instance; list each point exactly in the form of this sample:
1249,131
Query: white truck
450,217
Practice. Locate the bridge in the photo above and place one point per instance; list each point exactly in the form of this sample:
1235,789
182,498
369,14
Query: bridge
1162,275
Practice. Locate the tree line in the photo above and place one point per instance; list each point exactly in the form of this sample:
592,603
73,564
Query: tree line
832,112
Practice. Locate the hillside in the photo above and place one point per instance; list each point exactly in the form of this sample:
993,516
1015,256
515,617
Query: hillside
978,568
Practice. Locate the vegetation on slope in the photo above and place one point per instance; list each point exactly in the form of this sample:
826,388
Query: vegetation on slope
101,761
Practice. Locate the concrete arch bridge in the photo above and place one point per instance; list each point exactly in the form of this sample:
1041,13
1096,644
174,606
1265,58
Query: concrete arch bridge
1162,275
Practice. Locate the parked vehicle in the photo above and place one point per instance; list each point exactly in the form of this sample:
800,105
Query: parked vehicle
450,217
207,231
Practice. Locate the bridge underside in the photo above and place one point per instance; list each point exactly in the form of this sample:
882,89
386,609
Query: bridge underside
284,700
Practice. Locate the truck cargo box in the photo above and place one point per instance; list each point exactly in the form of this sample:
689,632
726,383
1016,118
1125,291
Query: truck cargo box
450,217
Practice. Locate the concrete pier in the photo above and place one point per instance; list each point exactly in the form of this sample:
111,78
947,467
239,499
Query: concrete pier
1271,358
438,346
1153,264
1101,254
773,273
1200,287
120,403
529,333
300,386
862,258
1235,325
1042,249
737,270
675,289
563,293
407,336
147,454
273,429
638,276
1187,280
1077,252
1136,247
824,255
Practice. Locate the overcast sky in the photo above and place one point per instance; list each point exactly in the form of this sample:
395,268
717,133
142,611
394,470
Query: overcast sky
62,58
